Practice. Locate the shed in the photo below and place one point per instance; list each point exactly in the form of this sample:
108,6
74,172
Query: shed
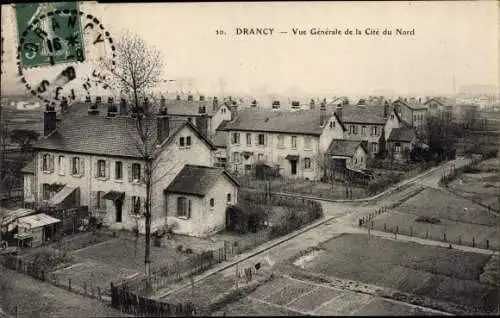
36,229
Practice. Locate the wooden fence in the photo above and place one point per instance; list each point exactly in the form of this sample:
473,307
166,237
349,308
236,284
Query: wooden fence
130,303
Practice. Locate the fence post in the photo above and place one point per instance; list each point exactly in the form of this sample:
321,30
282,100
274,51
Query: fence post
69,283
487,244
444,236
85,287
411,231
473,242
385,227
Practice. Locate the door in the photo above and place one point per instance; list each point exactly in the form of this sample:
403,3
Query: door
293,164
118,207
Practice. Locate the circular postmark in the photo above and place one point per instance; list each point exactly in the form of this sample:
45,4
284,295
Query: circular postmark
59,53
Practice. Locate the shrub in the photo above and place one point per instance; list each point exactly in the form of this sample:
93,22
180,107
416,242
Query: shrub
426,219
179,248
188,250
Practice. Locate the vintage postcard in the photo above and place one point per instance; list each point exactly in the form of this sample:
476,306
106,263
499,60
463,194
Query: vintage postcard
249,158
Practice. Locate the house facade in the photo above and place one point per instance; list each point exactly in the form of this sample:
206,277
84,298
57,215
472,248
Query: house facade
98,160
412,111
401,142
293,142
365,123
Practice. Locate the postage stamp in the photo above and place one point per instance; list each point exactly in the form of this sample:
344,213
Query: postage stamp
50,33
59,51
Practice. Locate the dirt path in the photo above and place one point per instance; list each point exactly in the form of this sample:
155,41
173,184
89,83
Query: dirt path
34,298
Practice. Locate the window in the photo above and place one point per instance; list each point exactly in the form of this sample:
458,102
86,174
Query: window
414,117
136,205
332,124
188,141
353,129
101,168
307,142
212,203
249,138
229,198
398,148
294,142
75,168
118,170
307,163
361,159
363,130
136,172
101,202
46,162
392,116
281,141
374,147
262,139
236,156
46,191
375,131
181,141
236,138
223,110
183,207
261,157
60,164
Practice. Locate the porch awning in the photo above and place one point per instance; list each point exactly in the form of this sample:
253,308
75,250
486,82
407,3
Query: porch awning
60,196
114,195
37,220
292,157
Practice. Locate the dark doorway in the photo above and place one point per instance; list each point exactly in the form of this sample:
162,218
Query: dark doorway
231,218
293,164
48,232
118,207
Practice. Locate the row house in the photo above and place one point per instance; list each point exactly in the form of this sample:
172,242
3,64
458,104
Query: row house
97,160
365,123
293,142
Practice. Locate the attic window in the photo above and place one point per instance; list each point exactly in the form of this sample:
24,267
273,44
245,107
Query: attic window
332,124
392,116
188,141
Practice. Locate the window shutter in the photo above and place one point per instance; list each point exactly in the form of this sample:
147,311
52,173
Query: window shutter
108,169
95,166
189,209
51,163
92,199
128,204
129,172
40,162
143,205
82,166
70,165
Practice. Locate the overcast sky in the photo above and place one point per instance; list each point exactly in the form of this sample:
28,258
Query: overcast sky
452,39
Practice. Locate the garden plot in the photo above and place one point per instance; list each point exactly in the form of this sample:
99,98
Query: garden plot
409,267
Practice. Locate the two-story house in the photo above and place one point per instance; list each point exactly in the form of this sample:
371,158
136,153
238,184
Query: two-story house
412,111
99,160
437,106
294,142
205,114
364,123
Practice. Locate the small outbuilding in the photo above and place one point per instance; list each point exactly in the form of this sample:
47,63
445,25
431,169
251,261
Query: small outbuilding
35,229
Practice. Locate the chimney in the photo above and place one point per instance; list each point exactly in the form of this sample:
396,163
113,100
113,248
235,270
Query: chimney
234,111
94,109
215,103
190,98
64,105
163,102
123,107
162,125
146,105
276,104
386,109
202,124
178,97
338,111
420,99
322,114
254,103
88,100
202,98
49,120
312,105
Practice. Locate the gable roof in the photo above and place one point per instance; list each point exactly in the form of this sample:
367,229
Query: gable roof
305,122
344,148
413,105
404,134
117,136
372,114
197,180
29,168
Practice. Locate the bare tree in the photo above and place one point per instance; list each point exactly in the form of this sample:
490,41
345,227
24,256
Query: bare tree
135,72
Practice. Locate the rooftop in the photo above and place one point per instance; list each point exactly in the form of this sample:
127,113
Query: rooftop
197,180
305,122
369,114
404,134
344,148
